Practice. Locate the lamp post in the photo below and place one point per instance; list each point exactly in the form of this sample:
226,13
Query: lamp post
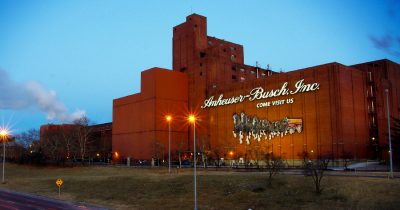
4,134
390,138
169,118
192,119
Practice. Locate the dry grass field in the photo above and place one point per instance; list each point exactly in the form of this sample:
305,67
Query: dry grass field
128,188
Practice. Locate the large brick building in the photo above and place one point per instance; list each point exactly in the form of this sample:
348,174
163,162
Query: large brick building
245,112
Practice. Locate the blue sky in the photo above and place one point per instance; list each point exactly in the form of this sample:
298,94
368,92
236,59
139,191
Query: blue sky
83,54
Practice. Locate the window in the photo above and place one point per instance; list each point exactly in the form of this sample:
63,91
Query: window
242,78
201,64
202,54
233,68
183,69
253,72
210,42
201,73
234,77
242,69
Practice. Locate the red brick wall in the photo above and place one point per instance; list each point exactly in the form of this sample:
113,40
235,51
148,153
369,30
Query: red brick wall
385,74
139,119
334,117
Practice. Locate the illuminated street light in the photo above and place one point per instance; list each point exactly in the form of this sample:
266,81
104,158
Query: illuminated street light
169,118
390,138
3,135
192,119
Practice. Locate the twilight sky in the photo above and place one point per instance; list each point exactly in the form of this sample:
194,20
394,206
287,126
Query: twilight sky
61,59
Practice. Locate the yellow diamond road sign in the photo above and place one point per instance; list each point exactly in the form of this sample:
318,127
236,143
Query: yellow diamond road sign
59,182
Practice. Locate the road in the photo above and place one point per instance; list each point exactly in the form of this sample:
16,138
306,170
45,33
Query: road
10,200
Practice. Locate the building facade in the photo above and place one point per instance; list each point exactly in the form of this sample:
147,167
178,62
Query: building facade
246,112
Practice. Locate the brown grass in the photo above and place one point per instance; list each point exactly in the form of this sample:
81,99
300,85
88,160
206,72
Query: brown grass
124,188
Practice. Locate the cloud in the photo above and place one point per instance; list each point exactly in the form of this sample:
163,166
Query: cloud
393,7
389,43
25,95
386,43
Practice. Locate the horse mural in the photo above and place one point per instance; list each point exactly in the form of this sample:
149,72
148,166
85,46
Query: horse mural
253,127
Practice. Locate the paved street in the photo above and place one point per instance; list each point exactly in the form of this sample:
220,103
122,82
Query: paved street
22,201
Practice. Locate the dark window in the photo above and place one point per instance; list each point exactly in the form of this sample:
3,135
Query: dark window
202,54
233,68
201,64
233,76
201,73
183,69
224,50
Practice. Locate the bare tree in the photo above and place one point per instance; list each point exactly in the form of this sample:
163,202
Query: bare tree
82,131
180,152
69,141
347,157
52,145
28,137
274,166
254,153
316,168
218,152
305,157
205,152
158,151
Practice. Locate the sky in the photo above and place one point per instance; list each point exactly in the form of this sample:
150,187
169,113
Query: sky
63,59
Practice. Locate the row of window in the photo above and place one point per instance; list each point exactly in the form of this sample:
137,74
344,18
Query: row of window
251,71
222,44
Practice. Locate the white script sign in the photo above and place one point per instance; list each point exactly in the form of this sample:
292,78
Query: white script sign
259,93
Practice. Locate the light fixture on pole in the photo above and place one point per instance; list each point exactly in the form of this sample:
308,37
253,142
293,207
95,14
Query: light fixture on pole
390,138
192,119
169,118
3,135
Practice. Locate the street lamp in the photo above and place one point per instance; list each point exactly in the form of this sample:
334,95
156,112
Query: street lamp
390,138
169,118
3,135
192,119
